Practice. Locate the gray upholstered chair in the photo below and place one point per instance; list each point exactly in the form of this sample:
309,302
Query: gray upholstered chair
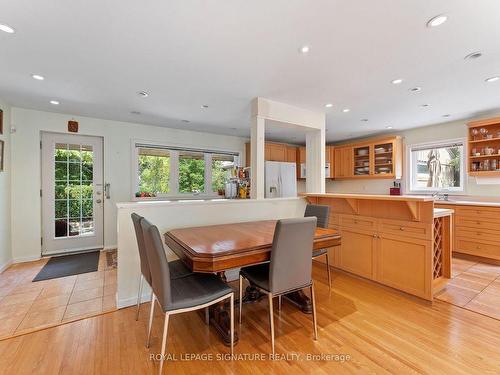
322,213
290,267
183,294
177,268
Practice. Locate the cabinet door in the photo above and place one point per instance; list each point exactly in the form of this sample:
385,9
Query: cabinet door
405,264
357,252
347,162
291,154
267,152
337,162
302,154
278,152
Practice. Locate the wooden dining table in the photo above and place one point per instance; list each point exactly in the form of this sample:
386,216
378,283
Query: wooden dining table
218,248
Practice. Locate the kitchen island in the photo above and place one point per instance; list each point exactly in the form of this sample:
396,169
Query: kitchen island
399,241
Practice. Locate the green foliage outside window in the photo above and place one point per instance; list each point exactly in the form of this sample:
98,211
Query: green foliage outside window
191,175
154,174
219,175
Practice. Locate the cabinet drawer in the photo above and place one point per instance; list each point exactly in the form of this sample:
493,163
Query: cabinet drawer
406,229
481,213
477,234
334,220
478,248
477,223
358,222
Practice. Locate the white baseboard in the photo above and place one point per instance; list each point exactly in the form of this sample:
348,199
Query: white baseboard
6,265
30,258
132,301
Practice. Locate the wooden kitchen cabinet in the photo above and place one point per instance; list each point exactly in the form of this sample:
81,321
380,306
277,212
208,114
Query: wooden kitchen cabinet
291,154
357,252
274,152
372,159
342,163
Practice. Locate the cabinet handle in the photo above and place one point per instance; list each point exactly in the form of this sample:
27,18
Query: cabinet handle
478,247
374,236
401,228
355,221
478,222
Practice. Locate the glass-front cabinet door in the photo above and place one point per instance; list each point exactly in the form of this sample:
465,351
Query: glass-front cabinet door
383,156
362,156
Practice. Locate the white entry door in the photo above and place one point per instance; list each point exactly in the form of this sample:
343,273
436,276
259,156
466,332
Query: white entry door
72,193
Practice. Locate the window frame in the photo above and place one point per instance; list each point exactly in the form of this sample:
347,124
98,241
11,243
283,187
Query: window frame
174,150
410,189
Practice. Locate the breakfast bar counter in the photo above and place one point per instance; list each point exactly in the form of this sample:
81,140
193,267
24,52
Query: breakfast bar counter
399,241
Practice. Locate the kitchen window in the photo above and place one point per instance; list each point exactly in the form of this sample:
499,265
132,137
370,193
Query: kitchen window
174,172
436,167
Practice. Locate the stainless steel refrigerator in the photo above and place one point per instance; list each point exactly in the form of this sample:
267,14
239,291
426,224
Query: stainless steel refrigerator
281,179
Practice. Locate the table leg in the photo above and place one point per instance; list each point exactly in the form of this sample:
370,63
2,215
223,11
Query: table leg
220,319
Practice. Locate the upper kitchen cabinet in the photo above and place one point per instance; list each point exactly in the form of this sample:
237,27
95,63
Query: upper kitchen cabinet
372,159
275,152
484,147
342,162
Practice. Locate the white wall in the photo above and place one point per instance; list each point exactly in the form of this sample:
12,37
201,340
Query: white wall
5,209
26,203
171,215
433,133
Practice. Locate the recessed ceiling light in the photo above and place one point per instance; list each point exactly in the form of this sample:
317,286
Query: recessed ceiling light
389,127
492,79
304,49
447,115
143,94
345,110
54,102
473,56
204,106
424,105
437,21
7,29
135,112
37,77
186,121
364,120
329,105
415,89
396,81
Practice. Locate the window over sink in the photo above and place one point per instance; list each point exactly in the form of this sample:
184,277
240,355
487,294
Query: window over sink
436,167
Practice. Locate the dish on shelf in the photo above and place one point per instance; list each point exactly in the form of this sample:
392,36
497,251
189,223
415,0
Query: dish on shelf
383,169
380,150
362,152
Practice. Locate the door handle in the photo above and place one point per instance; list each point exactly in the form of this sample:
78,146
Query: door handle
98,201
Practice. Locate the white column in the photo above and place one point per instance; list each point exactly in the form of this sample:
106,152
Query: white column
315,161
257,147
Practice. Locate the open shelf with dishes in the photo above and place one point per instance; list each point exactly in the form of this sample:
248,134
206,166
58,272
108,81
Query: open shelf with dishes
484,147
362,155
383,158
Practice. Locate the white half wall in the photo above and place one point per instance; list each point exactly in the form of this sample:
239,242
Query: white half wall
5,191
118,136
170,215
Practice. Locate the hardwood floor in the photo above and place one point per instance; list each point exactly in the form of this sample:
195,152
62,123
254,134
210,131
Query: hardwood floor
475,286
381,332
26,306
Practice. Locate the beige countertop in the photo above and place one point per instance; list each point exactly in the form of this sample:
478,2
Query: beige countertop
468,203
440,212
407,198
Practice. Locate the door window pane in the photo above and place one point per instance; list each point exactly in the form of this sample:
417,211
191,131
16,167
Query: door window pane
154,170
73,190
221,165
191,172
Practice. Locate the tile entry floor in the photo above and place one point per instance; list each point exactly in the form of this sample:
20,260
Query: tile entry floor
474,286
27,306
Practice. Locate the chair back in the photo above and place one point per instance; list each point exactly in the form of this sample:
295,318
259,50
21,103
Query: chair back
158,264
291,261
139,235
321,212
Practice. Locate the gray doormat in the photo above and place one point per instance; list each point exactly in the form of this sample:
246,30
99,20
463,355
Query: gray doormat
68,265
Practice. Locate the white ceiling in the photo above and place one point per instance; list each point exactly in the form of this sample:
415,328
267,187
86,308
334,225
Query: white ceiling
96,55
